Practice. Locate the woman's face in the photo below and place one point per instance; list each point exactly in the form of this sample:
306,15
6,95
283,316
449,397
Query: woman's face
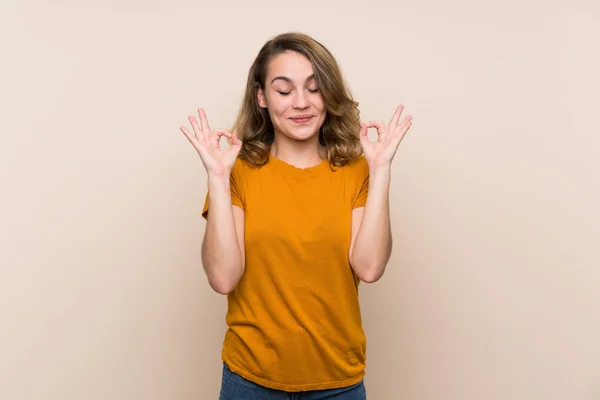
292,97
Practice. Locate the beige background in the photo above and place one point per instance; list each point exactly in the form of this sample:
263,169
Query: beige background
493,290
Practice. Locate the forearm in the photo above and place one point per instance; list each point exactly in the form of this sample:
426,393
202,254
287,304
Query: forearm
221,255
373,243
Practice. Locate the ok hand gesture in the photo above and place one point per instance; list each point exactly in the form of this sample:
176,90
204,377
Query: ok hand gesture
380,153
207,144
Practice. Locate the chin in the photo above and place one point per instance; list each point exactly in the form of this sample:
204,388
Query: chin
302,136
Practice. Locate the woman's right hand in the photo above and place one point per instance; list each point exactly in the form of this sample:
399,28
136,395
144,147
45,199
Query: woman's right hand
207,144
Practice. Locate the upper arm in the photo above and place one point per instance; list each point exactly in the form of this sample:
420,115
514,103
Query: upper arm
239,221
357,215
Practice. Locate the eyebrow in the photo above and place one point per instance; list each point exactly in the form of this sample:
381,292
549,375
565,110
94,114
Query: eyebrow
285,78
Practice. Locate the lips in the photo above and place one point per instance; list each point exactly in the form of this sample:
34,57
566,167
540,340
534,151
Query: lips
301,119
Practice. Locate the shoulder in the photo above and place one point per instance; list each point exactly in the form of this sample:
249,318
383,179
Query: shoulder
238,173
243,170
357,167
240,167
244,165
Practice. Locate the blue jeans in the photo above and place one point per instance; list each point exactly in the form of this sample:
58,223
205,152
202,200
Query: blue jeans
234,387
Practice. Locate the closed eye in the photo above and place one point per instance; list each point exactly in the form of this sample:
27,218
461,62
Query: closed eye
287,93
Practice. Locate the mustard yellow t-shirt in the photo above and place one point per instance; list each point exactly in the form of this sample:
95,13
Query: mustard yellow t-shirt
294,319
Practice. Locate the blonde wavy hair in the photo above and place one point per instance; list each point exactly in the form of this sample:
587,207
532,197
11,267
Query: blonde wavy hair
339,133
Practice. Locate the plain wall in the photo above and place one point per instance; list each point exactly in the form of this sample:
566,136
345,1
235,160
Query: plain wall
493,289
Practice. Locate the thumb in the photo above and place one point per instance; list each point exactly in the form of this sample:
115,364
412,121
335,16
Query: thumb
235,140
364,137
236,143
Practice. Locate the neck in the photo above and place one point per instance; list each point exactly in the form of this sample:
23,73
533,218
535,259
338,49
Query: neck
301,154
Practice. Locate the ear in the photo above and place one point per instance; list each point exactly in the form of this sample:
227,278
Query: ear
261,98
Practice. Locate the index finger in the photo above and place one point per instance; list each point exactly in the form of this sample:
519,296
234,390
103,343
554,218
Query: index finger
377,125
396,116
204,122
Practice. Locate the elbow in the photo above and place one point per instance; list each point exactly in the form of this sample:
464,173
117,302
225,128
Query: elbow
222,289
223,275
370,266
222,286
370,275
224,279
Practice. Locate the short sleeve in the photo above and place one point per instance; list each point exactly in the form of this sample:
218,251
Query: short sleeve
361,175
236,186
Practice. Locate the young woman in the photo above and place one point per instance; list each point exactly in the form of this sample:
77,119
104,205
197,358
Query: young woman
291,230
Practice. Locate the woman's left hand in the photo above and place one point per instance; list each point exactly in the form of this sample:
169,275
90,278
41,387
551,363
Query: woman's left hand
379,154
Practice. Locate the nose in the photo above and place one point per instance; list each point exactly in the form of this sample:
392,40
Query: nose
300,100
